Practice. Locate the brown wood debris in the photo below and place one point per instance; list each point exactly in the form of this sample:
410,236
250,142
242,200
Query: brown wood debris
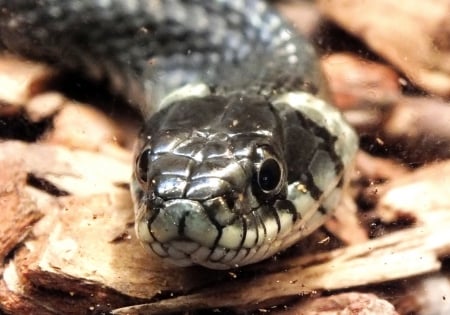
412,35
420,128
67,242
19,212
29,79
356,82
432,182
344,303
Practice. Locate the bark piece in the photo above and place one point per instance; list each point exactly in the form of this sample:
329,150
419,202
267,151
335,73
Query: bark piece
363,89
354,303
18,213
373,173
20,80
356,82
83,127
345,223
422,193
412,35
74,172
44,105
419,129
19,296
375,168
428,294
304,15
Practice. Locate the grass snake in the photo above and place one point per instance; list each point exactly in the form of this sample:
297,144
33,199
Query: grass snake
241,154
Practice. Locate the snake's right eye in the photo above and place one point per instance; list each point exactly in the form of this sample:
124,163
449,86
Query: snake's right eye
142,166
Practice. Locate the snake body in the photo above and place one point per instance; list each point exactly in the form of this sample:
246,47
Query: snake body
241,154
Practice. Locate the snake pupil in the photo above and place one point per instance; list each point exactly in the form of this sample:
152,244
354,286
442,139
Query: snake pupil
142,165
269,175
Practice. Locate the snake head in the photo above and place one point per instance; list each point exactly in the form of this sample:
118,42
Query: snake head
212,193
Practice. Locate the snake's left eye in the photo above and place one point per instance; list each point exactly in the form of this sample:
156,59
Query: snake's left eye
142,166
269,175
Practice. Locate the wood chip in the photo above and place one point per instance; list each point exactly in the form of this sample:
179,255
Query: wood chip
303,14
375,168
365,90
81,126
419,194
353,303
412,35
419,128
20,80
18,212
357,82
44,105
345,223
75,172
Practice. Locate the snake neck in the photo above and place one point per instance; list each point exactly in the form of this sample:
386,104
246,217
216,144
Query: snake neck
147,49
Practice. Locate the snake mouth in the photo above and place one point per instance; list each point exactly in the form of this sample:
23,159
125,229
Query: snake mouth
209,233
188,220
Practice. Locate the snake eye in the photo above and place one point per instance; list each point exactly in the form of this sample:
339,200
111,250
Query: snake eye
142,165
269,175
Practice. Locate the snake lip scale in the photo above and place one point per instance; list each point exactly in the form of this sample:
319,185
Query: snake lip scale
241,153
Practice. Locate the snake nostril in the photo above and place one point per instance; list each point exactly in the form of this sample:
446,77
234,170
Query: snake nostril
230,201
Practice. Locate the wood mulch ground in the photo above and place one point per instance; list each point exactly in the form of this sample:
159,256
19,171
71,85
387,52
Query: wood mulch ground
67,244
